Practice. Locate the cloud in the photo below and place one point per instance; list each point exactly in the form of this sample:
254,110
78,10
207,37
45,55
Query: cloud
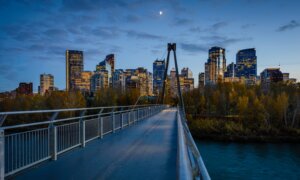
181,21
190,47
143,35
196,29
56,33
224,40
132,18
92,5
105,32
218,25
246,26
289,26
212,28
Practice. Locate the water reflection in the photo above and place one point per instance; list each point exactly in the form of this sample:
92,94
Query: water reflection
251,160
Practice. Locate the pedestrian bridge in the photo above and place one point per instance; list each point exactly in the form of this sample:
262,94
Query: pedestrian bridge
121,142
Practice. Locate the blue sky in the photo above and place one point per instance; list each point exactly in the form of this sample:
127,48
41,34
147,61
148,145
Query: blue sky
34,34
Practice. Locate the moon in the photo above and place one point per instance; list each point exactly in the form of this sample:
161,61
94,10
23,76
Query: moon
161,13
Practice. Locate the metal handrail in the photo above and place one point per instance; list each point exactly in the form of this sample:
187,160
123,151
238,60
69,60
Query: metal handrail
189,161
66,119
70,109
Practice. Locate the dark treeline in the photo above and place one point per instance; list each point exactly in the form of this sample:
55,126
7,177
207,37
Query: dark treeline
65,100
237,109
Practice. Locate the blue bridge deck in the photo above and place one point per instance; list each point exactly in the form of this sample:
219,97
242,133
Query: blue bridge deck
146,150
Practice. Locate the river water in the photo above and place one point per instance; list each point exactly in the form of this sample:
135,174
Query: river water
225,160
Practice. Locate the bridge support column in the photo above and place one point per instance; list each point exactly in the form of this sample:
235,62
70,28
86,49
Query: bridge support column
2,154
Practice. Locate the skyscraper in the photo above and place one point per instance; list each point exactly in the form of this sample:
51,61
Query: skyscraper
201,80
186,72
24,89
158,76
84,82
46,83
99,80
173,83
119,80
269,76
111,60
246,65
215,65
188,81
108,64
74,67
230,71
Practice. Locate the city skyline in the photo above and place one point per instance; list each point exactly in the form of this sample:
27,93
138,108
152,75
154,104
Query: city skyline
195,28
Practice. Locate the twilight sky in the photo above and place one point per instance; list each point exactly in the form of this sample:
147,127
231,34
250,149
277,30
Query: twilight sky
34,34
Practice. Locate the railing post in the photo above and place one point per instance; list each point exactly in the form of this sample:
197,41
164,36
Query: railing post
2,154
113,120
134,117
101,127
99,122
53,137
82,129
122,120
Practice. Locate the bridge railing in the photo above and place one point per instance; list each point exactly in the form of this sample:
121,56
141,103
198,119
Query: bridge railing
23,145
189,160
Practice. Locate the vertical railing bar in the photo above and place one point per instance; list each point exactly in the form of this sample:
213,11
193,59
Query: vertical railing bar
18,158
22,150
62,138
2,154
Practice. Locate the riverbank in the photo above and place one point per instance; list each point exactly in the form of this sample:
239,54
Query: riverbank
231,131
246,139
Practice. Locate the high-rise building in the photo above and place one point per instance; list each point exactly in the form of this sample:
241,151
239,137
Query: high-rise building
286,77
246,65
230,74
201,81
186,72
99,80
46,83
24,89
188,84
119,80
173,91
145,81
149,82
158,76
139,79
83,83
111,60
108,64
215,65
74,67
188,81
269,76
230,71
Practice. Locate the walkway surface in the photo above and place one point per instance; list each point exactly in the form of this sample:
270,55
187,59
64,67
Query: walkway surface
147,150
